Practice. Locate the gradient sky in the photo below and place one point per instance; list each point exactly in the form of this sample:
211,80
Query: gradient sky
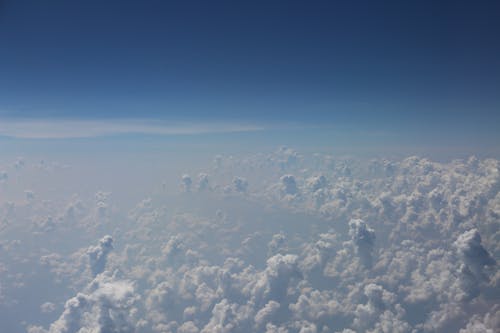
419,67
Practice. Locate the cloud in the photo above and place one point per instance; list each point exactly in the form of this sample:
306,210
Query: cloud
188,327
316,183
472,252
98,254
265,314
475,262
186,182
83,128
364,238
240,184
212,262
104,308
47,307
289,186
489,323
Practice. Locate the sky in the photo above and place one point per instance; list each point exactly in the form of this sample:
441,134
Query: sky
416,72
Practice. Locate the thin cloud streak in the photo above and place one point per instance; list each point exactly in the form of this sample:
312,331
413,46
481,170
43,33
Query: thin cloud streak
66,129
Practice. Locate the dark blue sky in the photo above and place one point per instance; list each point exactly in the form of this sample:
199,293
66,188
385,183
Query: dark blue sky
379,64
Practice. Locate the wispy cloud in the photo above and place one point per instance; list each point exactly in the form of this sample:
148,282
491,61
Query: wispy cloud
83,128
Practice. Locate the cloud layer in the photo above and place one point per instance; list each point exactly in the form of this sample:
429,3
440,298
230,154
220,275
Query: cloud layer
275,242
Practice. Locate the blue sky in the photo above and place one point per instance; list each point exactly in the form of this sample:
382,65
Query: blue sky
420,69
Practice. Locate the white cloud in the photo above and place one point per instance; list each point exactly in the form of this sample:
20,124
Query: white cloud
186,182
212,262
265,314
364,238
240,184
104,308
82,128
98,254
47,307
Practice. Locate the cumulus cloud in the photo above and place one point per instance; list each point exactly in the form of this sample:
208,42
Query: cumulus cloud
316,244
265,314
473,253
289,186
489,323
186,182
475,260
316,183
47,307
98,254
104,308
203,184
240,184
364,238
